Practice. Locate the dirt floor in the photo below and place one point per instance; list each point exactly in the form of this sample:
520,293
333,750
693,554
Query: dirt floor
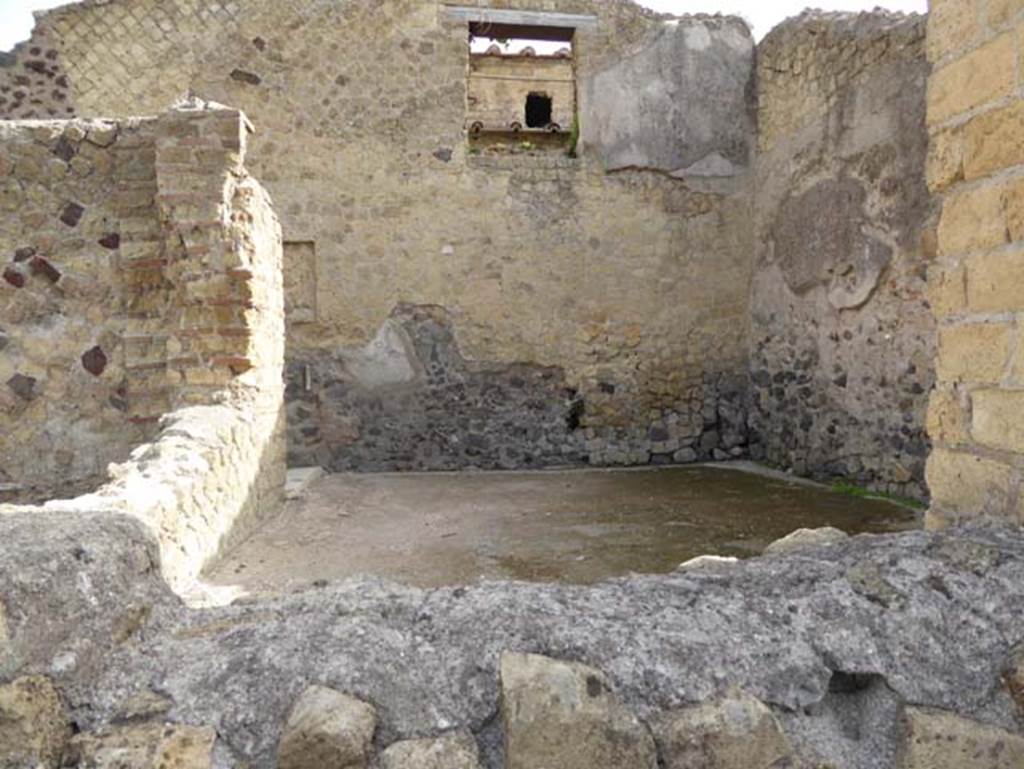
576,526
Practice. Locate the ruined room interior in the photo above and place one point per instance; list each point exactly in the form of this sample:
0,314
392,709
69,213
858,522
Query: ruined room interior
405,384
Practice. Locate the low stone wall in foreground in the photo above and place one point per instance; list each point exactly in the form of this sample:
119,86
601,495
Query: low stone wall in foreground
893,651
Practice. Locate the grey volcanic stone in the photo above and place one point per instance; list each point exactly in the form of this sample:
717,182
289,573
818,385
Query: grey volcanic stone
451,751
802,539
327,729
564,714
734,732
944,741
931,616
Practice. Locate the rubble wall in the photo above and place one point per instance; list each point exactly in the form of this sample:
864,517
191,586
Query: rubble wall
842,341
78,201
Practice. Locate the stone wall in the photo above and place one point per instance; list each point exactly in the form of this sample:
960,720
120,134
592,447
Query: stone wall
77,201
894,652
199,329
633,284
842,341
33,84
976,168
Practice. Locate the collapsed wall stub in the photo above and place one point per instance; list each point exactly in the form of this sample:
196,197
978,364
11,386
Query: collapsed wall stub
183,290
842,339
850,653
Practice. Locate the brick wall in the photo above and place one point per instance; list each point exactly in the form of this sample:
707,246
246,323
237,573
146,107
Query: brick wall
976,167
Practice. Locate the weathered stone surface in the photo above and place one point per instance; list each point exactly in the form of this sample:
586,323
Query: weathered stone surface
73,297
452,751
34,727
5,638
734,732
964,484
710,562
327,728
43,268
565,714
686,92
937,740
72,214
148,746
842,340
542,260
778,628
983,75
1014,676
14,277
159,359
997,419
803,539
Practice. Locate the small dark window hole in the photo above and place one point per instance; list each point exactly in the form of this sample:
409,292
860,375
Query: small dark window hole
538,110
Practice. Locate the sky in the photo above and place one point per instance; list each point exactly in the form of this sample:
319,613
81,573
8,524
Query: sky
16,15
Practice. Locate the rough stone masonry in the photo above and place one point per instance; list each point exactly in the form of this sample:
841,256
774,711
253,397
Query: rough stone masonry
634,275
902,651
893,651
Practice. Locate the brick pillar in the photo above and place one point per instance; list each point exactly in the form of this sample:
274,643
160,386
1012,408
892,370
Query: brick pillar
199,155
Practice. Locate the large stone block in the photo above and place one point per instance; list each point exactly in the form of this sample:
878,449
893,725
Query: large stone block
994,141
974,352
327,728
997,419
947,420
982,218
987,74
947,289
147,746
34,728
564,715
736,732
1001,13
945,163
953,25
994,282
452,751
970,485
937,740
